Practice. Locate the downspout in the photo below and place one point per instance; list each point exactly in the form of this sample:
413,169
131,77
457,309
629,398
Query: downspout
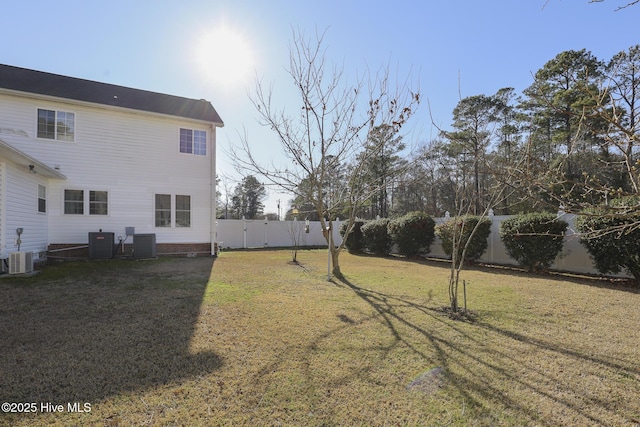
212,227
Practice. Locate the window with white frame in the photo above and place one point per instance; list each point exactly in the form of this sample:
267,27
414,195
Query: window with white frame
193,141
163,210
168,207
73,202
76,202
98,202
183,211
42,199
58,125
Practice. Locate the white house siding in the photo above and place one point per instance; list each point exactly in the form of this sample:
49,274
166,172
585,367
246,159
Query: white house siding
2,209
20,192
132,155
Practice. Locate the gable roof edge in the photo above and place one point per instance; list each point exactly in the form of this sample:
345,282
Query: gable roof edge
71,88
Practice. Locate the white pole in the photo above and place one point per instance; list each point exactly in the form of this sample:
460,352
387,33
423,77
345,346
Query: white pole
244,233
329,254
491,237
266,242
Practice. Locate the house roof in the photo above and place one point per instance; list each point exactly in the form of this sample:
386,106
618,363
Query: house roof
38,82
22,159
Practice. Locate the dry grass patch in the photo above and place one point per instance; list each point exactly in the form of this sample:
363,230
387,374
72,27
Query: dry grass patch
258,341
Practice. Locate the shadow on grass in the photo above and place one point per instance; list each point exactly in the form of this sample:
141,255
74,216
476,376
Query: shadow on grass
86,331
599,281
477,365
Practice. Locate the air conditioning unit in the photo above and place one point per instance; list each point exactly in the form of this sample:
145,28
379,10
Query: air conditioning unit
144,246
101,245
20,262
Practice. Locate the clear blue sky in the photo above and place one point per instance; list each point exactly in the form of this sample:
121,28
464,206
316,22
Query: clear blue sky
453,47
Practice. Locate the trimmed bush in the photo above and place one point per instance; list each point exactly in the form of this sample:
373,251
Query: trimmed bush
463,227
354,240
413,233
613,241
376,237
534,240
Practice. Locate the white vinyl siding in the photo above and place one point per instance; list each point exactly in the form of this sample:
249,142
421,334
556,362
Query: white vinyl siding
131,155
19,210
3,252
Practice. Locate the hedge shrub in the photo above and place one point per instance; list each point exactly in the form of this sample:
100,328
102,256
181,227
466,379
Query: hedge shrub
465,224
534,240
376,237
612,241
354,241
413,233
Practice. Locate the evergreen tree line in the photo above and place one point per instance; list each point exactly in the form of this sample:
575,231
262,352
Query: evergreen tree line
569,141
245,201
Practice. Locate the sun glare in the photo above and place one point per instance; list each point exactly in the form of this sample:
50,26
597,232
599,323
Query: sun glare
224,57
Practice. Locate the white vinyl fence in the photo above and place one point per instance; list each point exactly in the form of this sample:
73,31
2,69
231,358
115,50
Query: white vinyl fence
260,233
237,234
573,258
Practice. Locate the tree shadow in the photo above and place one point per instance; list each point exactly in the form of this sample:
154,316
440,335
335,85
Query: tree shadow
87,331
598,281
462,355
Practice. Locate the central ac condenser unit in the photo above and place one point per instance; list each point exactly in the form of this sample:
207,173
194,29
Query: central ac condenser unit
20,262
101,245
144,246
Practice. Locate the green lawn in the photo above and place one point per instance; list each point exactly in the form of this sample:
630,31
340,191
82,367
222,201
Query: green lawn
251,339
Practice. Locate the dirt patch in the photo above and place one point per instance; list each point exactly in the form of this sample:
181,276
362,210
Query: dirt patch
429,382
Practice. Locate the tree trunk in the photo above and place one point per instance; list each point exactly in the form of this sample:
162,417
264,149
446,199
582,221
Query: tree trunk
335,262
327,231
453,288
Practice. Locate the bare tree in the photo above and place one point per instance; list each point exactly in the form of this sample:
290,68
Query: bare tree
294,230
463,230
224,204
477,120
631,3
326,130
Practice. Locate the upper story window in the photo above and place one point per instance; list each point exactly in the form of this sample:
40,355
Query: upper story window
58,125
193,142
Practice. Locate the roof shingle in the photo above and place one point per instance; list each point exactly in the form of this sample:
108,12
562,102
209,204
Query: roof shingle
38,82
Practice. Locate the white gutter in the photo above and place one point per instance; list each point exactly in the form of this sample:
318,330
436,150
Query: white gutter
30,163
213,226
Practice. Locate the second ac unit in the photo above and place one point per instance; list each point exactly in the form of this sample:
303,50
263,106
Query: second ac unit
20,262
144,246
